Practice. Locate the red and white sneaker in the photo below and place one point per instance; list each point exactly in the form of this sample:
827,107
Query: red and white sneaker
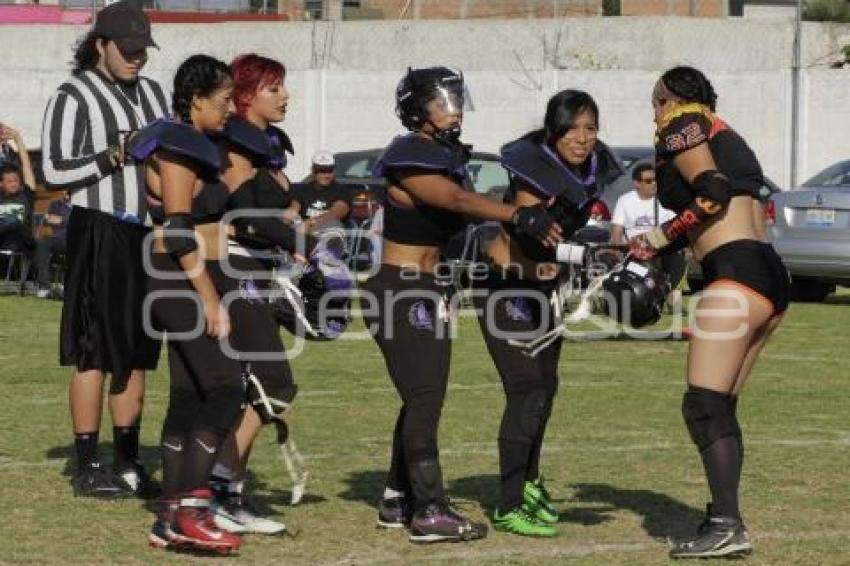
194,521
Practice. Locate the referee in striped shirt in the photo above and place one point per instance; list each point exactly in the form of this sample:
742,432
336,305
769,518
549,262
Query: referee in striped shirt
85,126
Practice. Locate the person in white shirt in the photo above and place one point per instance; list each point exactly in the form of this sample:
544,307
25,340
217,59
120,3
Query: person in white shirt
637,212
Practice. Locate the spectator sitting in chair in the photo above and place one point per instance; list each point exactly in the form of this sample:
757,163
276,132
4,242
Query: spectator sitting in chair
322,201
52,243
16,196
635,213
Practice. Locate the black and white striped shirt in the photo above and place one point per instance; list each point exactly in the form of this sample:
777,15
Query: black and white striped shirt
82,121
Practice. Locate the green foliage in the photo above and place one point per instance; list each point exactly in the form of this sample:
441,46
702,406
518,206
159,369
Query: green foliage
611,8
827,11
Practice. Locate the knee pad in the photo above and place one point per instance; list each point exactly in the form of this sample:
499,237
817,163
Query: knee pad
222,409
709,416
525,412
267,402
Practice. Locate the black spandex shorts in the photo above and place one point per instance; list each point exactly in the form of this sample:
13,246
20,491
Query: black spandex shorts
753,264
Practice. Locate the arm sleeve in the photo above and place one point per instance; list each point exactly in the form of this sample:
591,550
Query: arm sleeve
676,245
63,167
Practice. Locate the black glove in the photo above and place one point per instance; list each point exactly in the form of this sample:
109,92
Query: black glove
533,221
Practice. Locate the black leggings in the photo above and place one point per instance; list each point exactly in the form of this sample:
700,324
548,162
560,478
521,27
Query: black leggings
404,316
521,310
206,393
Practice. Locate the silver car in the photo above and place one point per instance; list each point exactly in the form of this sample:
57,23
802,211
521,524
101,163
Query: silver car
810,228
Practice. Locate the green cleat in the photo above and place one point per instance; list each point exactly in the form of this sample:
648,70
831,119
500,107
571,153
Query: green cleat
538,501
521,522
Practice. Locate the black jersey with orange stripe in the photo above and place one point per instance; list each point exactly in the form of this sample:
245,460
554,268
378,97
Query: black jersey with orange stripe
688,126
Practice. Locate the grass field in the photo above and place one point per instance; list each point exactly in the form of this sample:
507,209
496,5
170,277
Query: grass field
617,454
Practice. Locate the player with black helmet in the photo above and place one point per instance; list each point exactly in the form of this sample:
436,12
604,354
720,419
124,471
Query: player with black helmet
710,178
560,168
404,302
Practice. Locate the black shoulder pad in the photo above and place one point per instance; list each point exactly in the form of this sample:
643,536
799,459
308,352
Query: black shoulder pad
682,129
414,152
248,137
608,166
178,138
280,146
539,167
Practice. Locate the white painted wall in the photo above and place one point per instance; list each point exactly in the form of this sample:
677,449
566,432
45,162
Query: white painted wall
342,75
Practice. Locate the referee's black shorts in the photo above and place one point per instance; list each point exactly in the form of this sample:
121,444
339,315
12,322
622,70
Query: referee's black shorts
105,286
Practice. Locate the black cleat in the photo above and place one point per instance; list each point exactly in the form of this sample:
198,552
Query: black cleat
717,537
93,481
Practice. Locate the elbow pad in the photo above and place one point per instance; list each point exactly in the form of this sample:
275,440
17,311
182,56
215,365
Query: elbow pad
179,234
712,196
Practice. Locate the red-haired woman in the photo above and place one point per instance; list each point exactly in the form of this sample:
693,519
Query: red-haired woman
256,153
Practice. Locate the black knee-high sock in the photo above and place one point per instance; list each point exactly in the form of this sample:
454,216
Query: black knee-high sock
398,478
125,446
722,462
201,451
172,453
733,403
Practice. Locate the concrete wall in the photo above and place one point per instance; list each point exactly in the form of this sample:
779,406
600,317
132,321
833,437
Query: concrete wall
342,76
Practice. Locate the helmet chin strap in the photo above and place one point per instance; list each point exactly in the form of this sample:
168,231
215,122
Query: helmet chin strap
447,136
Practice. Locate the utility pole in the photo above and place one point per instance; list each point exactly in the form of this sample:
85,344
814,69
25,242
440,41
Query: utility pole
795,93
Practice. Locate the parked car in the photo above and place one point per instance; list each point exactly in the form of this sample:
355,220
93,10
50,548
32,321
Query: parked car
810,228
354,168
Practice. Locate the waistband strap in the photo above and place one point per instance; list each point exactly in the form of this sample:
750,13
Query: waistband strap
235,248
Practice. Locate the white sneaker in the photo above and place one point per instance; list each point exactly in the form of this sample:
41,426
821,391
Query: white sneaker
225,520
259,525
239,520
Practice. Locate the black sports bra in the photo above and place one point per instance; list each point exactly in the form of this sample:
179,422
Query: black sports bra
421,225
208,206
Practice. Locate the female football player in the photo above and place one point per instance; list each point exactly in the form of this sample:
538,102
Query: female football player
188,288
426,204
710,177
256,184
559,166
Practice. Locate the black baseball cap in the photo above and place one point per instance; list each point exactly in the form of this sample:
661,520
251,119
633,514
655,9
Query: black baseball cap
127,25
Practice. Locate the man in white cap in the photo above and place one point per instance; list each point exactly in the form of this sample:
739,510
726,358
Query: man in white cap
321,200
